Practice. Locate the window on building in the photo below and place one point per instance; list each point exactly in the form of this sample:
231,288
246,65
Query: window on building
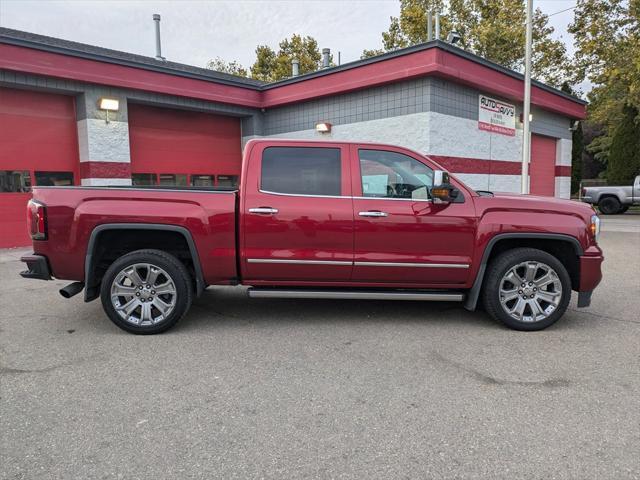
170,179
394,175
227,180
202,180
142,179
15,181
54,179
301,170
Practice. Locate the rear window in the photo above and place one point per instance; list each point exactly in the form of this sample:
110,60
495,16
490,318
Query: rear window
301,170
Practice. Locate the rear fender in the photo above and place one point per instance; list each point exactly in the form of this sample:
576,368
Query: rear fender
91,292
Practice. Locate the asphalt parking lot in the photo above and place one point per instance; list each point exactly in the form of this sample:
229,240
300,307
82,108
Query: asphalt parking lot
322,389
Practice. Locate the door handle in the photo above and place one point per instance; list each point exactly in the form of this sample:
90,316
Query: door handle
373,213
264,210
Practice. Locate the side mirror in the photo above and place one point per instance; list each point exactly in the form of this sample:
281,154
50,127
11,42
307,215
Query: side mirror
442,190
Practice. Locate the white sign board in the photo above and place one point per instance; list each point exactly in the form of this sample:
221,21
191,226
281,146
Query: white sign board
496,116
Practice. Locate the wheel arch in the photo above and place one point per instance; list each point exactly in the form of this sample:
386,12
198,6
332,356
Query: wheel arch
474,293
92,288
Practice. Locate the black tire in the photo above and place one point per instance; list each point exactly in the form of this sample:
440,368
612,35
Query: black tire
624,209
172,268
501,265
609,206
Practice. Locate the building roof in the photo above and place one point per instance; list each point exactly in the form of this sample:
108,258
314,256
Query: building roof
83,50
66,47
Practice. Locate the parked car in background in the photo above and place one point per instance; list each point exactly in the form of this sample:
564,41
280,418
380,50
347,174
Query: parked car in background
317,220
611,199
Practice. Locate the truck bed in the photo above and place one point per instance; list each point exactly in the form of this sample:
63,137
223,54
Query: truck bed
207,213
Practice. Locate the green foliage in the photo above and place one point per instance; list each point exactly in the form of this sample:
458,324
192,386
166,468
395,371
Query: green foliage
371,53
493,29
624,153
220,65
607,39
271,66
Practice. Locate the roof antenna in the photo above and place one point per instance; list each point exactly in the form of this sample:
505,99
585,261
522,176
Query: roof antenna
156,19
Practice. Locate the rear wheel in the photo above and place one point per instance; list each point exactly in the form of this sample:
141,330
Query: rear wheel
526,289
146,291
609,206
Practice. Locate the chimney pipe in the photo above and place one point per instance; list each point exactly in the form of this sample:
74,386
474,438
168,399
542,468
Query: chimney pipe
295,67
429,26
325,57
156,19
437,25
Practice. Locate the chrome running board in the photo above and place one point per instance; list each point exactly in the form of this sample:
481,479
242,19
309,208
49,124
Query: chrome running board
358,294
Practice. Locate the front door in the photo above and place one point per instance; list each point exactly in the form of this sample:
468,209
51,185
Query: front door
298,215
401,236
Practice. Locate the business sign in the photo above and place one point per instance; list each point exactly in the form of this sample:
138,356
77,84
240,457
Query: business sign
496,116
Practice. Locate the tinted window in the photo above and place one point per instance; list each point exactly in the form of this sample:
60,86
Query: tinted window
54,179
169,179
301,170
394,175
227,180
202,180
143,179
15,181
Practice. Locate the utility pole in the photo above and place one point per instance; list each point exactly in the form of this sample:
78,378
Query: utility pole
526,131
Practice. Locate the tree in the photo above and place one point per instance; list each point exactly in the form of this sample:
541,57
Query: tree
493,29
624,153
607,40
271,66
220,65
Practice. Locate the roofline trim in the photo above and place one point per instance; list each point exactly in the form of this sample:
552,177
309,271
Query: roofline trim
18,42
419,48
7,39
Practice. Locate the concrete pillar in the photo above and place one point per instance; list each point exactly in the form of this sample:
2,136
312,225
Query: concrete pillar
103,147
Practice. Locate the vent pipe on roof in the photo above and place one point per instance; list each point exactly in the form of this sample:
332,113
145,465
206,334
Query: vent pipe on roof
326,52
437,25
156,19
429,26
295,67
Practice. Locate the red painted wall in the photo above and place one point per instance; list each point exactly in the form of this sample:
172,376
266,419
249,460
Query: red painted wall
178,141
542,169
37,132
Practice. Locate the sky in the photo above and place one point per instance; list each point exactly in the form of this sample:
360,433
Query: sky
193,32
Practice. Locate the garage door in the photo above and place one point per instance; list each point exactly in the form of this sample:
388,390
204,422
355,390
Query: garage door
39,147
178,147
542,170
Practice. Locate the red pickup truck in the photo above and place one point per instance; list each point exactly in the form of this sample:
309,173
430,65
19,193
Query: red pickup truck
317,220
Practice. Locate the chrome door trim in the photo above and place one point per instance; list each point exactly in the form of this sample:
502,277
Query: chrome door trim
302,195
299,262
415,265
269,192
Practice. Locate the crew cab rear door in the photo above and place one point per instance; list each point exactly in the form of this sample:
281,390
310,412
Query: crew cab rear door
297,214
401,236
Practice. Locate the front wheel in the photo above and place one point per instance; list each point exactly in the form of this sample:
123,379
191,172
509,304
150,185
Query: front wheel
146,291
526,289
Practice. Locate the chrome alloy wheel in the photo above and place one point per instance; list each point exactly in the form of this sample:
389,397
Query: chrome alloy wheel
530,291
143,294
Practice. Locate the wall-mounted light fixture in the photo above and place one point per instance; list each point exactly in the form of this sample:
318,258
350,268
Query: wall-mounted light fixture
323,127
109,105
521,118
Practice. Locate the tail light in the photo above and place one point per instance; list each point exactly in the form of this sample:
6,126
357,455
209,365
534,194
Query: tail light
37,220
